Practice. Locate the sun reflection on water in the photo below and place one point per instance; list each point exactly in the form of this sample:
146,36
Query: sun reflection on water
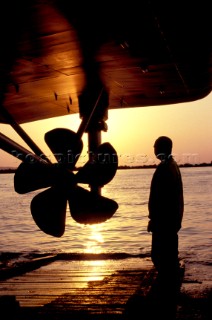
95,239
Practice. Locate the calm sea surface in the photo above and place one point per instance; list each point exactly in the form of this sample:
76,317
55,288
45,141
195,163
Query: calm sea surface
126,231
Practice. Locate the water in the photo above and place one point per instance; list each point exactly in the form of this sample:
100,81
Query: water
125,232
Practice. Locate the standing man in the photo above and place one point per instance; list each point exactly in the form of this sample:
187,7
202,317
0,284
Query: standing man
166,207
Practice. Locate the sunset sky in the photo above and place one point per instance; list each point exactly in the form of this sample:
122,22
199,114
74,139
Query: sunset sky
132,133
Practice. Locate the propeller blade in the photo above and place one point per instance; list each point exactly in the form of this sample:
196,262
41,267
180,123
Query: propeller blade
48,210
89,208
33,176
38,175
101,168
65,145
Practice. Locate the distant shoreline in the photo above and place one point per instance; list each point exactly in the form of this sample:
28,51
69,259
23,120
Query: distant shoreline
10,170
185,165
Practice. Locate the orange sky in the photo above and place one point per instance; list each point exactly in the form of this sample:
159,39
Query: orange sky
132,133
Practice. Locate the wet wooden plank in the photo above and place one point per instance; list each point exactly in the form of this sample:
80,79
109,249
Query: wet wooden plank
92,290
61,284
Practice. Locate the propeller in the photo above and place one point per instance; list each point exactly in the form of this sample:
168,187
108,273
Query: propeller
48,208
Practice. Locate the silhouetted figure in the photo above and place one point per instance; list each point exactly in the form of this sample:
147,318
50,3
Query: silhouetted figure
166,207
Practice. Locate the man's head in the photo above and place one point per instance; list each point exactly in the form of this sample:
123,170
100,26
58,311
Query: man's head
163,147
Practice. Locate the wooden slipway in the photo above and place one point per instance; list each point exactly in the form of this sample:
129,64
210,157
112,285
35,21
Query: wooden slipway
77,287
52,288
